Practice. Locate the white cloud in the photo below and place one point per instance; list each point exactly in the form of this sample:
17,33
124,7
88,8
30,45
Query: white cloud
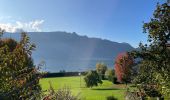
32,26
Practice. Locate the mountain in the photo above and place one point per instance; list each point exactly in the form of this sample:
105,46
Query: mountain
72,52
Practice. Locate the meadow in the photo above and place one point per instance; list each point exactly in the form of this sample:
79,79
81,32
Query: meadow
77,86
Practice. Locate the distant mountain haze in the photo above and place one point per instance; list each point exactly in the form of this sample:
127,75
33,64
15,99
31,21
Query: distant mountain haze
72,52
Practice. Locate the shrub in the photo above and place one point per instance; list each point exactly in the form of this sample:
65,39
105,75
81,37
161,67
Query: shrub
92,79
115,81
109,74
111,98
132,96
61,94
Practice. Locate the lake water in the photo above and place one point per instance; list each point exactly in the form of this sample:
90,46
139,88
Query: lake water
73,65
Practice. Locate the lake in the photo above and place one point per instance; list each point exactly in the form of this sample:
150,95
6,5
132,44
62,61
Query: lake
72,65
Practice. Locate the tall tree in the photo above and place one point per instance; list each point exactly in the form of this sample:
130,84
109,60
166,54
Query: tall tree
154,66
123,66
101,69
19,79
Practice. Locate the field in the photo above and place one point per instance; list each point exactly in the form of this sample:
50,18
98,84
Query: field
77,85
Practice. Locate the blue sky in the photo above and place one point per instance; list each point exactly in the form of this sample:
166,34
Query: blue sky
116,20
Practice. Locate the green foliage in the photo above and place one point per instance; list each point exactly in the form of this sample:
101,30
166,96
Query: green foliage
19,79
154,67
133,96
101,69
61,94
110,75
100,92
92,79
111,98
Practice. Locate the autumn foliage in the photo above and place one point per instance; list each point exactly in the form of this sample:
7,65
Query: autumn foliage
123,65
19,77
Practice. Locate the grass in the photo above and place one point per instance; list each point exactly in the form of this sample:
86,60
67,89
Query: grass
96,93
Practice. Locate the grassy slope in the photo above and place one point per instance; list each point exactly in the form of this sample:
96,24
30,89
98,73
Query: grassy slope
95,93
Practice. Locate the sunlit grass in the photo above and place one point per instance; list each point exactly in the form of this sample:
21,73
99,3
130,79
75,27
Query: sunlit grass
95,93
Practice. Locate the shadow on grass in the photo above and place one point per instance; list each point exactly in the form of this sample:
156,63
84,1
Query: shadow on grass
105,89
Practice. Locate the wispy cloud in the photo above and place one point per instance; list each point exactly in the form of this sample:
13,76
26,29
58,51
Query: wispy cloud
32,26
5,17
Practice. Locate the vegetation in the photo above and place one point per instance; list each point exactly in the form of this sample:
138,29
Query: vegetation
154,65
101,69
133,96
123,67
61,94
111,98
95,93
92,79
19,79
110,75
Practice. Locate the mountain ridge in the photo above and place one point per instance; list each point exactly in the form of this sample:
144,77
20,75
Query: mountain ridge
74,33
72,52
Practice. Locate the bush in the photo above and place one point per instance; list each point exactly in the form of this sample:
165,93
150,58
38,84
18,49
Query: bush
92,79
109,74
61,94
132,96
111,98
115,81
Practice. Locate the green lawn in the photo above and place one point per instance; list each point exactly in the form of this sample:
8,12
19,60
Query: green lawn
95,93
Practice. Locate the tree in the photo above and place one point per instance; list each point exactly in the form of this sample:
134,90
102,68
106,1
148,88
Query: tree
123,66
92,79
101,69
110,75
19,79
154,66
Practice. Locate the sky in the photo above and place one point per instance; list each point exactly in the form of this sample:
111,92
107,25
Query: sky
116,20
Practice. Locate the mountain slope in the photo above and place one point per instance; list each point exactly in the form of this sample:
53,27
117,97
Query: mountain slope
71,52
